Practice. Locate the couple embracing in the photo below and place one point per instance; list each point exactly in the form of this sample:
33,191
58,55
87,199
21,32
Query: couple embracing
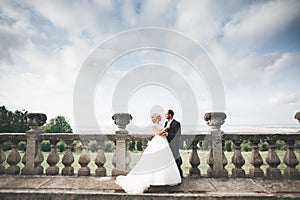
160,162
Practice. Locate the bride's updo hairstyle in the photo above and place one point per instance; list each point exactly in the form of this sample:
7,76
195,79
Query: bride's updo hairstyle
154,117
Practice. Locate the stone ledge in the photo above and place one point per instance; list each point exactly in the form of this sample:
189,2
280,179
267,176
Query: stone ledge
112,195
61,187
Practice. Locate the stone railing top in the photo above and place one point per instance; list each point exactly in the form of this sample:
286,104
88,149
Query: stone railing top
113,137
13,136
288,136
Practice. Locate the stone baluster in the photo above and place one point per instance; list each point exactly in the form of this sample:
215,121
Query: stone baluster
84,160
2,159
121,158
215,120
100,159
291,161
53,159
238,160
34,156
273,161
13,159
68,160
256,160
194,160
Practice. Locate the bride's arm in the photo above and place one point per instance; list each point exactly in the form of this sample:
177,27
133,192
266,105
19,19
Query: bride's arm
157,131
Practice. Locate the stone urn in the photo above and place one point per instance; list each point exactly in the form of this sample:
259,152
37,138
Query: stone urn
297,116
35,121
215,119
122,120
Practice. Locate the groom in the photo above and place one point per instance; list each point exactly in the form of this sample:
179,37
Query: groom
173,136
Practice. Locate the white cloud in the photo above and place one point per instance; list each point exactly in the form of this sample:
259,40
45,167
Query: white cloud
283,98
40,80
157,13
87,19
254,25
195,18
15,29
286,64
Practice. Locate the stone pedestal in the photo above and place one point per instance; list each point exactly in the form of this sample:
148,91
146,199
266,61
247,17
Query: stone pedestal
121,158
215,120
34,157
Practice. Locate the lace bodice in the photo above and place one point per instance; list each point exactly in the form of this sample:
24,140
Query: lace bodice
158,126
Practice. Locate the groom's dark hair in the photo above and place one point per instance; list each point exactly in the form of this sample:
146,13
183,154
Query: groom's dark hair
171,112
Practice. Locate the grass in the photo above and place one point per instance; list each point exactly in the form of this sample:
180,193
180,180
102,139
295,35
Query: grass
184,153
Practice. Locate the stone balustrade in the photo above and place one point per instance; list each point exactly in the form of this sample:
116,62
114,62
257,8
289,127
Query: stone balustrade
216,159
272,159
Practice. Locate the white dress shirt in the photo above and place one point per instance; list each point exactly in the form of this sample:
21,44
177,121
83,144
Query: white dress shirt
169,124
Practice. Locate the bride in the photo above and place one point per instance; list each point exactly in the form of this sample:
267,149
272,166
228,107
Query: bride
156,166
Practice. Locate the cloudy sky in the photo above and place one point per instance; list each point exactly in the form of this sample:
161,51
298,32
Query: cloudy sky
254,46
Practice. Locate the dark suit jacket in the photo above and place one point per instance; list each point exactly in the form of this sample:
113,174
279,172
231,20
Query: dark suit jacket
173,137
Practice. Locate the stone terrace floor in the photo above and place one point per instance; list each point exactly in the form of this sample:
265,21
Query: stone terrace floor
59,187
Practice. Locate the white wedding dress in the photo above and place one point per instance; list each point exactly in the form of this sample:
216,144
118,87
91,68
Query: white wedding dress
155,167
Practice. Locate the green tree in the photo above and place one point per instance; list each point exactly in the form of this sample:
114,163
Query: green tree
12,122
58,124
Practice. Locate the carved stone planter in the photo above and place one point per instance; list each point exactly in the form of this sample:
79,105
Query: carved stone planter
297,116
122,120
215,119
35,121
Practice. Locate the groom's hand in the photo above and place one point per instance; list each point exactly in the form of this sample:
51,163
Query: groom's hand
164,134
